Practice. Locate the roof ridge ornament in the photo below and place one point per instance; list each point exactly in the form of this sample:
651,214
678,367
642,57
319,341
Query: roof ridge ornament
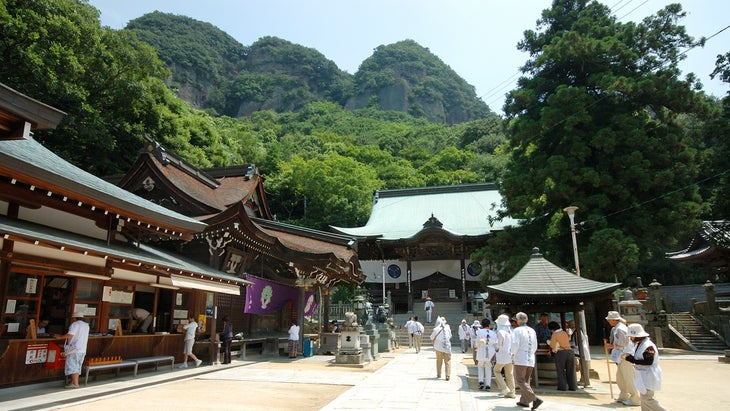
536,253
433,222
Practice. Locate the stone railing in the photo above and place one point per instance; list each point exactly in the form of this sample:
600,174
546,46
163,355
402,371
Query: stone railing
338,310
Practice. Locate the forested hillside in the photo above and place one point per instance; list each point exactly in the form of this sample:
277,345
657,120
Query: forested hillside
407,77
213,71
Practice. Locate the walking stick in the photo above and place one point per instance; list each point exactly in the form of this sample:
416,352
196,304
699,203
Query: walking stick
608,366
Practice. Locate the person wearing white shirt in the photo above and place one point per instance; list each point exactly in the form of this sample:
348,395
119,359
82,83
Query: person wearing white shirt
418,330
504,358
473,338
191,329
524,346
464,336
75,348
441,339
143,318
646,363
486,342
428,307
293,340
409,330
621,346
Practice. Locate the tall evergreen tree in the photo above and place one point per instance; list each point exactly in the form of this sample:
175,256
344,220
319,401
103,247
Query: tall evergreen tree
595,123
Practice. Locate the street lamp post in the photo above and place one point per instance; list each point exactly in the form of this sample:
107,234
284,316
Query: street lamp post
582,320
571,215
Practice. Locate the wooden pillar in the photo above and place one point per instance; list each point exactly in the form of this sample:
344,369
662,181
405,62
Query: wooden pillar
326,301
463,286
215,342
580,328
409,285
7,255
300,319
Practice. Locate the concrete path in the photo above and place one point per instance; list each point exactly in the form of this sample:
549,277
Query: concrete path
402,380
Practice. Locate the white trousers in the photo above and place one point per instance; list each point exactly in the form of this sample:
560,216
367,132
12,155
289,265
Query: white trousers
484,371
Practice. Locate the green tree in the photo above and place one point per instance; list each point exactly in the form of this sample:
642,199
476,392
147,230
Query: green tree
595,123
718,148
107,81
327,190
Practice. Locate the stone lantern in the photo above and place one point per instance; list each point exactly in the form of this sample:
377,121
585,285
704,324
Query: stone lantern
710,297
656,288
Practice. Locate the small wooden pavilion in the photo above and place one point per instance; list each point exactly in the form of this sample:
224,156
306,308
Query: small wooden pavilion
541,286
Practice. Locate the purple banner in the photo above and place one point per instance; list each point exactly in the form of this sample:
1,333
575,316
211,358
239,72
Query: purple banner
310,303
265,297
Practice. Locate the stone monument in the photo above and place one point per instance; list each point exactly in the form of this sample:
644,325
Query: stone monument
350,351
384,329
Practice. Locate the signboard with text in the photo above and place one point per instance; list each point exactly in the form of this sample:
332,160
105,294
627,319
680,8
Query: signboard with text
36,353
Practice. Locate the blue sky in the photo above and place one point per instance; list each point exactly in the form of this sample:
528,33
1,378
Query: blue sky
476,38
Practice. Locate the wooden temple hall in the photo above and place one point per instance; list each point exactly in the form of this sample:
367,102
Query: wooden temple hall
417,243
173,240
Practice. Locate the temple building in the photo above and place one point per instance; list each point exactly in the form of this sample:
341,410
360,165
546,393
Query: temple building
241,238
709,249
418,241
174,241
71,242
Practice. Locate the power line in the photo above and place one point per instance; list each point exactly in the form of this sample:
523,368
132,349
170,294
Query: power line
623,210
632,10
496,90
606,95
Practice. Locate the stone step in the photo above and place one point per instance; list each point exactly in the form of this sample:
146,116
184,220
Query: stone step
698,336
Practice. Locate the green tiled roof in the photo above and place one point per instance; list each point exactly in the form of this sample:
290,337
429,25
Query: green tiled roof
464,210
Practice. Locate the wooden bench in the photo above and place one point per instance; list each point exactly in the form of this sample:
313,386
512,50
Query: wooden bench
244,344
133,362
113,366
154,360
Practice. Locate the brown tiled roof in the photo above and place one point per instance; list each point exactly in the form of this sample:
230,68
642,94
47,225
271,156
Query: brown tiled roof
710,247
325,252
308,244
228,191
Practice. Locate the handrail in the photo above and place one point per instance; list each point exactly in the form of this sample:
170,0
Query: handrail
674,321
705,323
338,310
712,326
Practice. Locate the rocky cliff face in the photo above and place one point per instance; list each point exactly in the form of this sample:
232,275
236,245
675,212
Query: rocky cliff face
275,74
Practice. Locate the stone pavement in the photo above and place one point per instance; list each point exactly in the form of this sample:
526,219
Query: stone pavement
402,380
409,383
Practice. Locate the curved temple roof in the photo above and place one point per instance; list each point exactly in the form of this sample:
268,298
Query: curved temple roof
541,280
464,210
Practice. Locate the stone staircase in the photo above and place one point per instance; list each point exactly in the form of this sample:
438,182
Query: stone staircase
450,310
698,336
